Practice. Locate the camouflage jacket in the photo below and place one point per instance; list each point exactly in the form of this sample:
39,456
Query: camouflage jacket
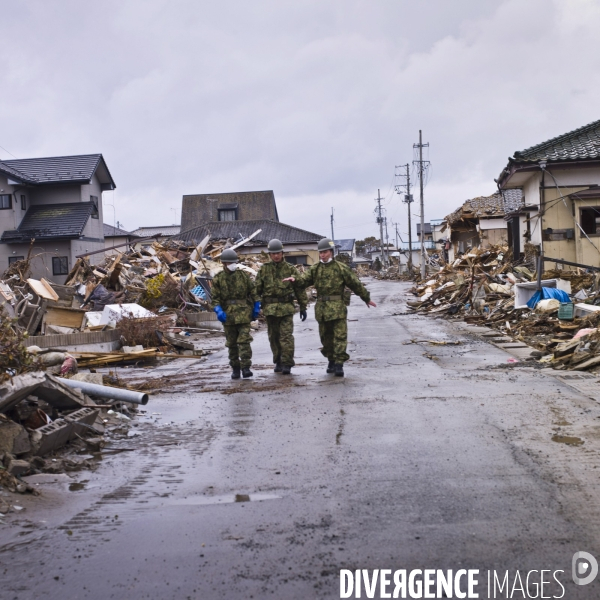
330,280
270,288
235,294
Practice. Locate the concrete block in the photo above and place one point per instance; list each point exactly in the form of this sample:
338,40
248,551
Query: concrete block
19,387
88,378
18,467
82,420
51,437
14,438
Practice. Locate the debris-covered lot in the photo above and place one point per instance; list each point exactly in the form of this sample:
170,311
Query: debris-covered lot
433,445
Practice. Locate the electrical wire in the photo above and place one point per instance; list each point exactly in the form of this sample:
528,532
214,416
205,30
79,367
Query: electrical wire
7,152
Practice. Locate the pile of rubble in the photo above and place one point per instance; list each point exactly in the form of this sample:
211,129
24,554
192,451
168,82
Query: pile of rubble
485,287
154,298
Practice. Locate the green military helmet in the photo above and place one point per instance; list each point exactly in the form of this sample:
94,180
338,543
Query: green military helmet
229,256
275,246
326,244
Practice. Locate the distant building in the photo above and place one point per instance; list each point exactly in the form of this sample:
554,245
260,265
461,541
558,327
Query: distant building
158,232
56,204
115,236
345,247
428,231
198,209
300,246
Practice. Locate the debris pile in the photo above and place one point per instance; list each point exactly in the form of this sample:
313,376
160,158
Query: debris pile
485,287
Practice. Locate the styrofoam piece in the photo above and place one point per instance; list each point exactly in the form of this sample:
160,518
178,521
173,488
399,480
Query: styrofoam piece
524,291
93,317
583,310
114,312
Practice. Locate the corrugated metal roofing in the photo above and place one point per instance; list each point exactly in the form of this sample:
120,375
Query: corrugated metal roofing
51,221
164,230
218,230
58,169
582,143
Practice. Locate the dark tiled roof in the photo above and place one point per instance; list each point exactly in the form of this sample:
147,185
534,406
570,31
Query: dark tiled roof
59,169
110,231
582,143
51,221
495,205
219,230
344,245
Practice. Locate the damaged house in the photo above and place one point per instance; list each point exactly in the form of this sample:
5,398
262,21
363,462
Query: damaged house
560,182
480,222
51,211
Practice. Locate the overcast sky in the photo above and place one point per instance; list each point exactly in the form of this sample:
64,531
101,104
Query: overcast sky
317,100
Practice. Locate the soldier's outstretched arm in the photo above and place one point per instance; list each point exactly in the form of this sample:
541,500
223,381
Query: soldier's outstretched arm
356,285
303,280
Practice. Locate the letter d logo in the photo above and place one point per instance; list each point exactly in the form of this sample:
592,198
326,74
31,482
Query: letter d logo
585,568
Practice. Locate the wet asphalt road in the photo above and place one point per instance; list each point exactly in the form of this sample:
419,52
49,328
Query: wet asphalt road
424,456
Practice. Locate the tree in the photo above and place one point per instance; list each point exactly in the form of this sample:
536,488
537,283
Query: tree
366,245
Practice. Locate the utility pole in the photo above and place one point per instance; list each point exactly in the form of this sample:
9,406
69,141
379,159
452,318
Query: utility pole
380,221
397,246
332,238
421,162
387,242
408,199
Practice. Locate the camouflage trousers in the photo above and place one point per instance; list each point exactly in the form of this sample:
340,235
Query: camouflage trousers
237,339
334,337
281,338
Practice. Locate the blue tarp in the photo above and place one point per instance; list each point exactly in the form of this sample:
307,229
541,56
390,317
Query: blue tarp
546,294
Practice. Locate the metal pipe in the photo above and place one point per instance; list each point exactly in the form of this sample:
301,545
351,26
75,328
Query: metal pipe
105,391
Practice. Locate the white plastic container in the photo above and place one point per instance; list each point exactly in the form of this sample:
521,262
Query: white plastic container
524,291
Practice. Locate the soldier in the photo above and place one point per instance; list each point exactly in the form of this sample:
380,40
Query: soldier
277,299
329,277
236,304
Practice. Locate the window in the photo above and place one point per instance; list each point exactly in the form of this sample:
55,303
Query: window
95,213
14,259
60,265
590,220
297,260
5,201
229,214
23,202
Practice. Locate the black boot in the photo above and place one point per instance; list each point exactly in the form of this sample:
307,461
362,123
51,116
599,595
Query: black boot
286,370
331,367
277,368
235,373
339,370
247,372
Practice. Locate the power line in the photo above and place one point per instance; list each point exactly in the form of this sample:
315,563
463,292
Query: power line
7,152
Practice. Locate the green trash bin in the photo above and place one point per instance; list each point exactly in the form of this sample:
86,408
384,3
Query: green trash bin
566,311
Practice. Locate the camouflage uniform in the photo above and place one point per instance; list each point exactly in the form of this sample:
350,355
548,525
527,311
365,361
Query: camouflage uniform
235,293
330,279
277,299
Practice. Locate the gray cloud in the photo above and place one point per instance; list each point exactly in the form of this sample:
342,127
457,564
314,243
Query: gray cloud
316,100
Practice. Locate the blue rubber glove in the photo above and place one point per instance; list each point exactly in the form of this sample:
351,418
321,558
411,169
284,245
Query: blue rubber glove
220,314
255,311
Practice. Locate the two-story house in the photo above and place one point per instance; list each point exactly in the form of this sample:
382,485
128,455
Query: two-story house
560,180
51,210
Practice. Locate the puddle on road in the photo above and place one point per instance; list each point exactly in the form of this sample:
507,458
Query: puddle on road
226,499
567,439
78,485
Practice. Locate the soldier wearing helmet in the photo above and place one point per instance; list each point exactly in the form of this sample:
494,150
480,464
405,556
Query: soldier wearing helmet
330,278
277,298
236,304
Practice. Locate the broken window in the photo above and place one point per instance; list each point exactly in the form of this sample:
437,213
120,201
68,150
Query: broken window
60,265
14,259
590,220
5,201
